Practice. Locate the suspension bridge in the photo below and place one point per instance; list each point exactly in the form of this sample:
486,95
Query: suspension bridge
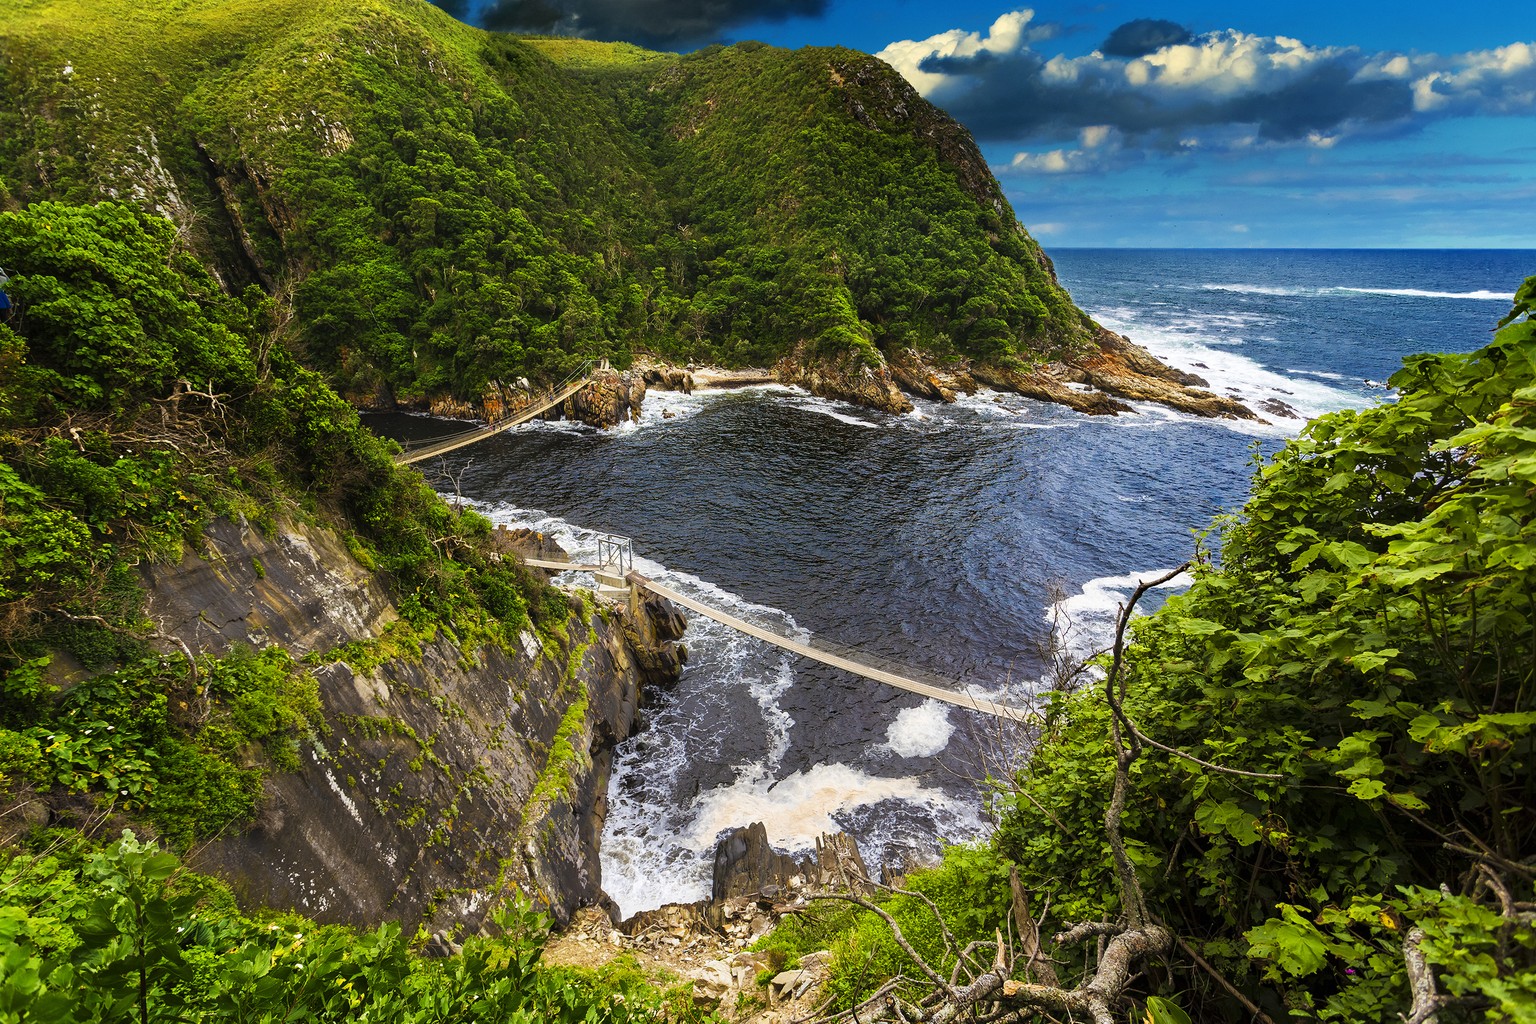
616,577
420,452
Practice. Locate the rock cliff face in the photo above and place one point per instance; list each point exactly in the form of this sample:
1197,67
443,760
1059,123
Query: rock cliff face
446,774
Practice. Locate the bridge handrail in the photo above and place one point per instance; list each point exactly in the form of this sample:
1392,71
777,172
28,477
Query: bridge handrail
419,450
840,656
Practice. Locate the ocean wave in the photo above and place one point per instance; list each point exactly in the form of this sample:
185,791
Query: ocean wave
1083,624
1235,375
1483,294
1255,289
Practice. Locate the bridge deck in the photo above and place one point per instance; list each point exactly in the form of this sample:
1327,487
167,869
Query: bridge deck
880,675
458,441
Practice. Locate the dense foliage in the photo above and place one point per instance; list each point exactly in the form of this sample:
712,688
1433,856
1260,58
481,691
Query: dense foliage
450,208
138,401
124,934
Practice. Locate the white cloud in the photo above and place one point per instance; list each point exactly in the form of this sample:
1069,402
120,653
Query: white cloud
1007,35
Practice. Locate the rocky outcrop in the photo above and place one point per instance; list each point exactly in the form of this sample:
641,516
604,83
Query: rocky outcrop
1123,368
1097,382
846,378
612,398
663,376
445,774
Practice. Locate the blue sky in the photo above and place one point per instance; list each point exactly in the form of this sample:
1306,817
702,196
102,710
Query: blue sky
1184,123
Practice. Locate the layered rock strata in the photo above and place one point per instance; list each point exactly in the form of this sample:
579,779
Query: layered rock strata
445,773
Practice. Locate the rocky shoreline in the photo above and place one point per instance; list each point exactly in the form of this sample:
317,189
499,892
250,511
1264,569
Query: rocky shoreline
1100,382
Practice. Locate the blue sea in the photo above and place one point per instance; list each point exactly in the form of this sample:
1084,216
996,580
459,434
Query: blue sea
967,541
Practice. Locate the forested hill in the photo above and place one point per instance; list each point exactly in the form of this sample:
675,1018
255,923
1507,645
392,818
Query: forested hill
448,207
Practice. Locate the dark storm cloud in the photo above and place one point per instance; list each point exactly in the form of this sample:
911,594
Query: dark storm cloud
1143,36
654,23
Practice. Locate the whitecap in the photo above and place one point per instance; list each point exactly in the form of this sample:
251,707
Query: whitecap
1482,294
1084,623
922,731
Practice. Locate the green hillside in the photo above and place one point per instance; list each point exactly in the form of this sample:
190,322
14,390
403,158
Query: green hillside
447,207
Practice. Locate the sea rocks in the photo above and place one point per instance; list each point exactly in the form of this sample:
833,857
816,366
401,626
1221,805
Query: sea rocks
610,399
1130,371
846,378
746,865
1275,407
663,376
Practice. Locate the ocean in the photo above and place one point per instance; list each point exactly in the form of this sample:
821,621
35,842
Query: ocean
967,541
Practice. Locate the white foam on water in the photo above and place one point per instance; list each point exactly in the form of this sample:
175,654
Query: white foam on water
1196,348
1254,289
1481,294
658,849
922,731
1084,623
801,806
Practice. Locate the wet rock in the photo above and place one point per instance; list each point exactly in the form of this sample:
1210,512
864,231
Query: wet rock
663,376
654,639
1130,371
845,378
746,865
610,399
917,378
1275,407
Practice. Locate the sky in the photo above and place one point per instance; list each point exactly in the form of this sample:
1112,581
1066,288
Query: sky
1182,123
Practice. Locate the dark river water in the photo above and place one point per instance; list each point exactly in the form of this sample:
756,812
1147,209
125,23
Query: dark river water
955,540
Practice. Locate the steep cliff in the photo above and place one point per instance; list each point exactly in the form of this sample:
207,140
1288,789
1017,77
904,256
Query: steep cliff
445,773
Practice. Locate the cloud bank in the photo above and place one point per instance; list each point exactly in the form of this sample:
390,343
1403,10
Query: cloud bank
1155,88
662,24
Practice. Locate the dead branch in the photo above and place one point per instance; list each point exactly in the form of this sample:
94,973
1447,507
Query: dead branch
1421,981
1036,963
1220,979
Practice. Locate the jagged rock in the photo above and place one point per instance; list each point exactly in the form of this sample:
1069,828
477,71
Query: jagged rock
1130,371
746,865
610,399
655,638
1048,385
663,376
845,378
916,378
838,864
525,543
1275,407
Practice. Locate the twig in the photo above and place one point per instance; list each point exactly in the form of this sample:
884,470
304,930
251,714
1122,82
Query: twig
1231,989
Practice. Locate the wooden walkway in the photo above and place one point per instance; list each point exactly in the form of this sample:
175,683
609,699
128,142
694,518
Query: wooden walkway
443,446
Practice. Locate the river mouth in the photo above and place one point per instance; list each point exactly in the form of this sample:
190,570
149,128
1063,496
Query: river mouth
955,540
942,541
